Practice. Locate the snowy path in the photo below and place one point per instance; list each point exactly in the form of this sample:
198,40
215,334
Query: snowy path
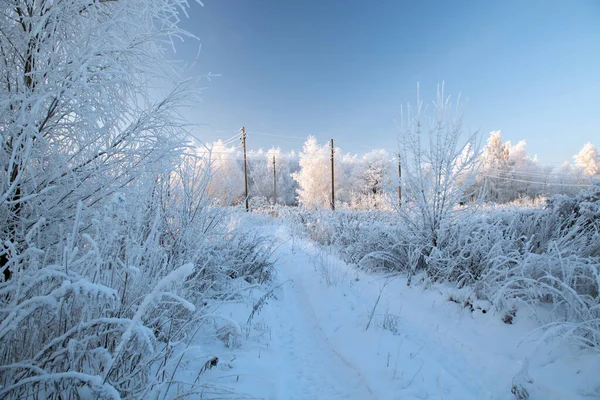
324,353
308,367
310,341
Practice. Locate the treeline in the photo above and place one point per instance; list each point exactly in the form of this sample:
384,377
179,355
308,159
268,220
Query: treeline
505,172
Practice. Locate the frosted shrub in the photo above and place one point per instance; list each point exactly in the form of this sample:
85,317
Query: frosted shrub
438,171
78,323
104,213
533,256
103,316
259,204
558,262
364,238
241,253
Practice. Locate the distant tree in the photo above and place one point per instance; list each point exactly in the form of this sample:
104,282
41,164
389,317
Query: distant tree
565,179
285,164
347,177
374,178
313,178
588,160
508,172
261,175
494,166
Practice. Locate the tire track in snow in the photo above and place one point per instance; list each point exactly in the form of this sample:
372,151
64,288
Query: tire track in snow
309,368
308,311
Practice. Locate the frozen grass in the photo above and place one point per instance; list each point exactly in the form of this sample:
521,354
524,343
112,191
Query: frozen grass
509,257
104,318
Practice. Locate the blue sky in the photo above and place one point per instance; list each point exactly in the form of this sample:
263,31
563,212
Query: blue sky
342,68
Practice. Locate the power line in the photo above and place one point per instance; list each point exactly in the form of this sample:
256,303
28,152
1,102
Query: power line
274,135
231,140
534,174
538,183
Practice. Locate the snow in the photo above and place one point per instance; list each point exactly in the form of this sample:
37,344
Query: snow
101,388
310,341
127,271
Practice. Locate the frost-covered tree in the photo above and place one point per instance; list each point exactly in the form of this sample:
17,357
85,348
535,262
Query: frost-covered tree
260,175
77,121
508,172
434,164
526,178
285,165
314,175
360,182
588,160
101,212
348,169
373,179
494,165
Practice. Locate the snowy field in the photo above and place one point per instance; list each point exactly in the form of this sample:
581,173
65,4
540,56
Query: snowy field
310,340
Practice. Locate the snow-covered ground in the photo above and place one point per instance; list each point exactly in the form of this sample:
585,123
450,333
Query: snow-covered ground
310,341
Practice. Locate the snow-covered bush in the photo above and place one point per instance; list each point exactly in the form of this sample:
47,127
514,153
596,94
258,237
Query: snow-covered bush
532,256
365,238
105,219
437,170
100,311
89,318
555,259
240,253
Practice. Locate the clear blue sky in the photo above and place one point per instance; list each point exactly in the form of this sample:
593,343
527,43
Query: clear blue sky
343,68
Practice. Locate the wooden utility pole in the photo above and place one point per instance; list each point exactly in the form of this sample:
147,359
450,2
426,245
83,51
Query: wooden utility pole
243,132
274,183
332,177
399,182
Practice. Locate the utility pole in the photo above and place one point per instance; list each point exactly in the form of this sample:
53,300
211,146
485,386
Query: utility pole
332,177
243,132
399,182
274,183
